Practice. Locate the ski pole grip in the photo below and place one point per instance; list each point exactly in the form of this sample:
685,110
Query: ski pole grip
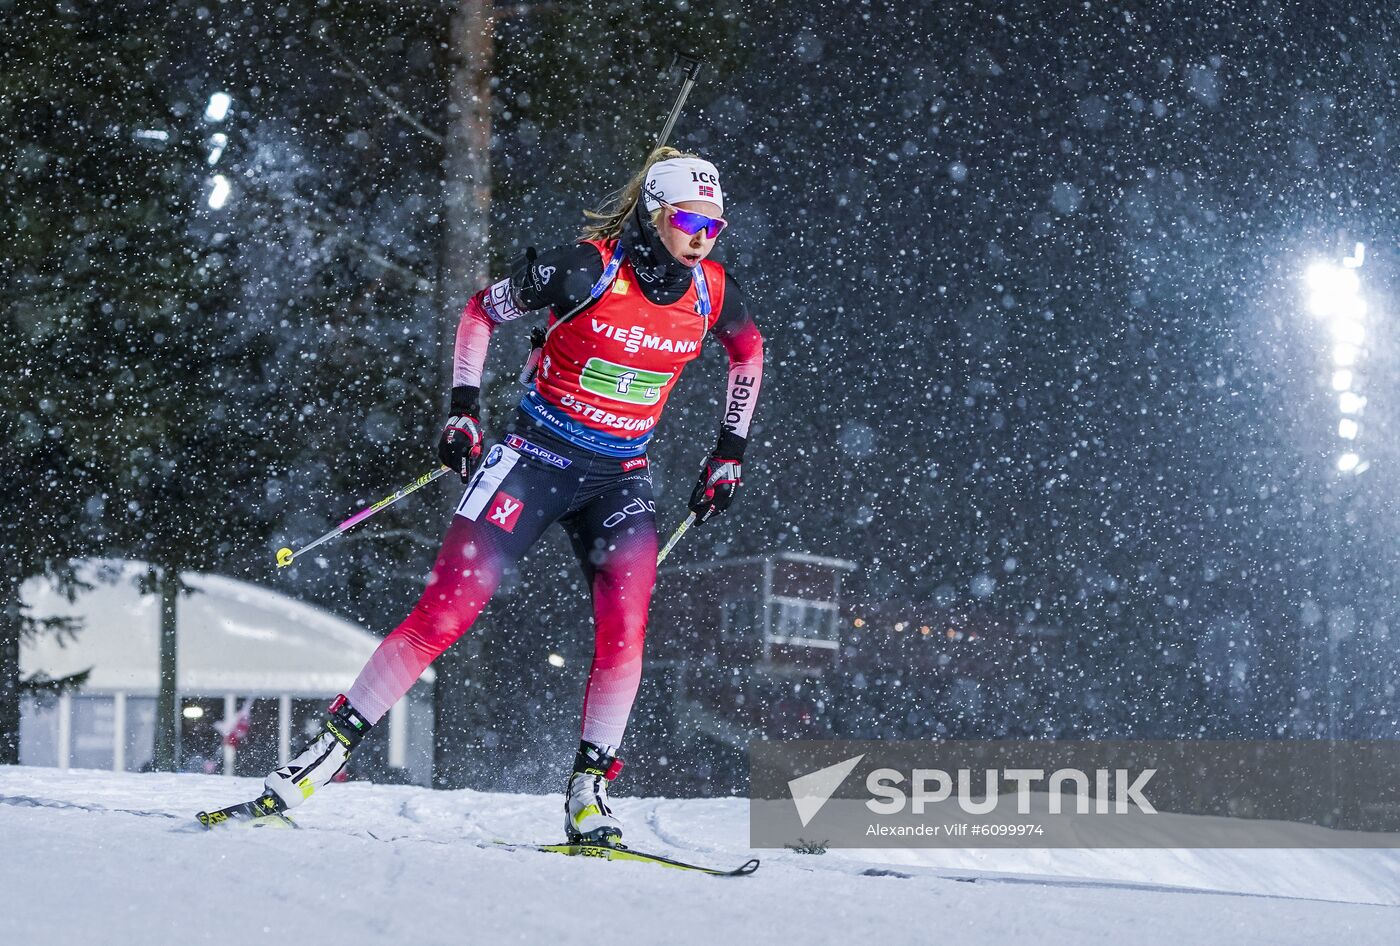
532,361
692,72
691,64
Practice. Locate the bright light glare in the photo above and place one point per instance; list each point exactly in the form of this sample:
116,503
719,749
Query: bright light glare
1347,462
1351,403
1348,333
216,148
1344,356
1348,307
1347,428
1341,380
1357,257
1330,281
193,712
1338,308
219,195
218,106
555,660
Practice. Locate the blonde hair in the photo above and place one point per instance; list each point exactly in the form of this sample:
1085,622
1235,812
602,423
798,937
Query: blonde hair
609,219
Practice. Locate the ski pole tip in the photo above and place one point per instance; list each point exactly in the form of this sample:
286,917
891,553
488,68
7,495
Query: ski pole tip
284,557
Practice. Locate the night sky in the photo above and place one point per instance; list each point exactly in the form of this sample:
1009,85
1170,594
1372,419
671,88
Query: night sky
1040,358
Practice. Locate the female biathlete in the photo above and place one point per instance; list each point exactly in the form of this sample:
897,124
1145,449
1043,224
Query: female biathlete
642,296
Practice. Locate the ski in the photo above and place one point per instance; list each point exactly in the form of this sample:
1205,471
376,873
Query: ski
620,852
265,811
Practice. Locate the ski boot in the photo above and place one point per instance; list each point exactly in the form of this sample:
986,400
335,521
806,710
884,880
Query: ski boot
319,762
587,817
265,811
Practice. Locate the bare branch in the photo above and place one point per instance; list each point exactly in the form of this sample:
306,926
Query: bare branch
333,230
327,226
524,9
501,12
393,105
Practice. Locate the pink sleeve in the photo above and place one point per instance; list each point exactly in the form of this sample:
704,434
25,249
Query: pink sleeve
473,335
744,345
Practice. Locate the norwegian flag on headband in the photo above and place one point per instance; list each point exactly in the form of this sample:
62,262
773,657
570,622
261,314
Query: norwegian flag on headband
676,180
235,730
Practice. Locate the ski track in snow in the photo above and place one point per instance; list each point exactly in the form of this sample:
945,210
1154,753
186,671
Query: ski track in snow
98,857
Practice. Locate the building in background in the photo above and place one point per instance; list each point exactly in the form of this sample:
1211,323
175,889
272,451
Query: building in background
243,650
738,649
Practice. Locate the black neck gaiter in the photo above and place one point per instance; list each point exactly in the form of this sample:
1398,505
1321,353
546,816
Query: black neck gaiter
663,278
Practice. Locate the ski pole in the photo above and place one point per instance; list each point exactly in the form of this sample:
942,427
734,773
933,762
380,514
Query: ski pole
692,72
286,556
675,537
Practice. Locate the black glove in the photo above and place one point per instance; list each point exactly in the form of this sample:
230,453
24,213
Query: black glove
720,478
460,443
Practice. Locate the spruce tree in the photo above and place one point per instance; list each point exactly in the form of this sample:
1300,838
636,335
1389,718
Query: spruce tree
115,350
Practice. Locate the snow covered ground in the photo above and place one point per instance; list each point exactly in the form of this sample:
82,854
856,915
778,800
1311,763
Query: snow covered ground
102,858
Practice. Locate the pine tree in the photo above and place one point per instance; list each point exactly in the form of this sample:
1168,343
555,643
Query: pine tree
110,305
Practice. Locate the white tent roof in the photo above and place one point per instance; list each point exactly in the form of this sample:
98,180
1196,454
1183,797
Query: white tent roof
233,637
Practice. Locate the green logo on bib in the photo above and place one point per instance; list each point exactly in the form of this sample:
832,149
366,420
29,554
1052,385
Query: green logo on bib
621,383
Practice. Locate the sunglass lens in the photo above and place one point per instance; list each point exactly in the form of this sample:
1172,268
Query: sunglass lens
687,221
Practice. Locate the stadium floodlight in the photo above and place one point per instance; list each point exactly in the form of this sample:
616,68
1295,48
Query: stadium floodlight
1348,307
217,144
1351,403
1347,332
217,109
1332,288
219,195
1334,296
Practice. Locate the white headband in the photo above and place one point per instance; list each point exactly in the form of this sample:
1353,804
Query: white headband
680,179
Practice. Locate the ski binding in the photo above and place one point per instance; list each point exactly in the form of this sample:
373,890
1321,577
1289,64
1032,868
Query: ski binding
266,811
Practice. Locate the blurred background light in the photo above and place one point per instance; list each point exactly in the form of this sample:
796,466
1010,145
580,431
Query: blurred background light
1348,333
218,106
219,195
1351,403
1331,286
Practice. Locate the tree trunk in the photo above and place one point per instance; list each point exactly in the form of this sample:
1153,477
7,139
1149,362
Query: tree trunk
466,167
464,268
167,750
10,624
